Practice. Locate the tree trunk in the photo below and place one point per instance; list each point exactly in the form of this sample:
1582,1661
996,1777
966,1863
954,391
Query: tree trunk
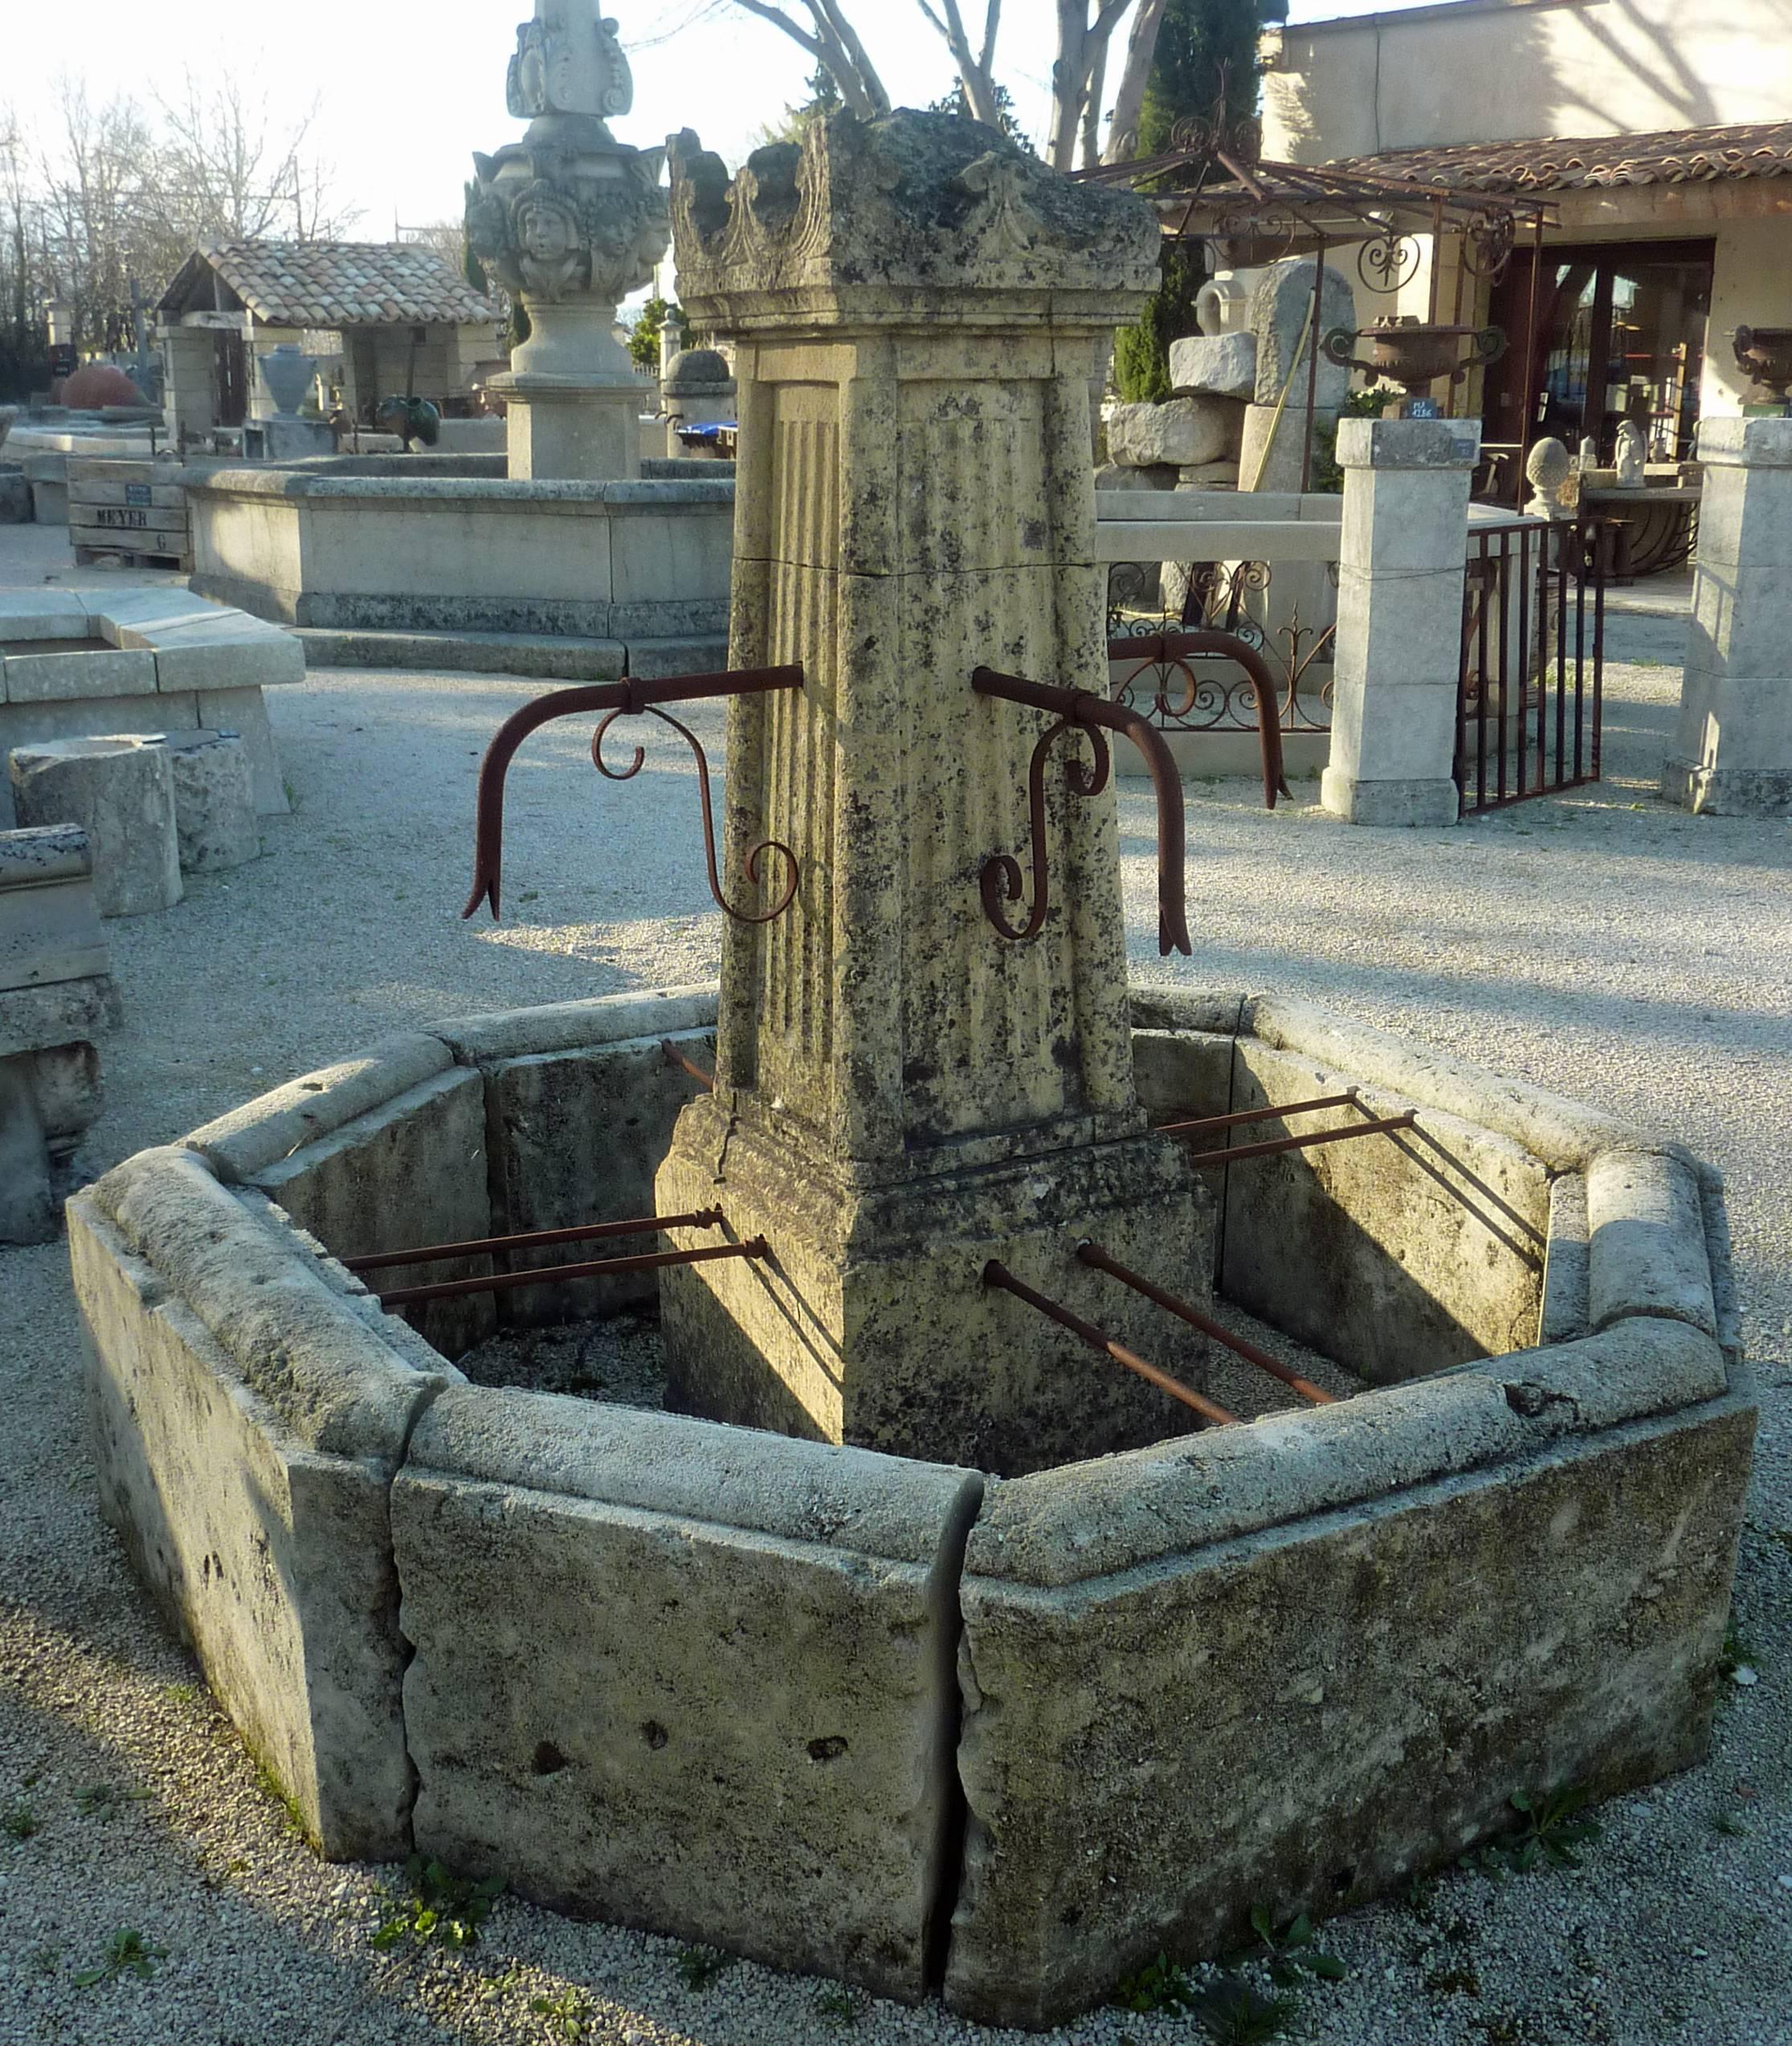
1142,48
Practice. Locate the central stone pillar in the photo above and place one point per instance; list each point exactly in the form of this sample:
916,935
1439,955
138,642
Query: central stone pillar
903,1094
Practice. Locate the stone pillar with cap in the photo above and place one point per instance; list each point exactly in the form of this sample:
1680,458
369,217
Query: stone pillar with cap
1398,649
1732,753
570,221
902,1093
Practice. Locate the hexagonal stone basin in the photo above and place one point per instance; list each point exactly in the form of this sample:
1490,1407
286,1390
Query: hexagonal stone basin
925,1728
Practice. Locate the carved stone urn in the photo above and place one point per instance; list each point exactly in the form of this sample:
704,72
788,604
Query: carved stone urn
570,221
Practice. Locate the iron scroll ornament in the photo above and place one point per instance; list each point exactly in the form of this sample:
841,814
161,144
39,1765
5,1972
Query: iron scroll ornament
1413,354
1000,880
617,699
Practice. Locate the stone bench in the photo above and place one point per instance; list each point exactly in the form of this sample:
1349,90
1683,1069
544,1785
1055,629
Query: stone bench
78,663
55,995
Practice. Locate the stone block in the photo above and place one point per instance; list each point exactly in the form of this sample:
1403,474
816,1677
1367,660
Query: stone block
245,713
1118,476
1184,431
15,497
49,925
570,1026
1403,631
60,678
1408,444
1418,802
1394,731
65,1012
119,791
45,615
1286,333
214,802
1397,521
685,1677
271,1558
1208,476
1151,1724
29,724
1269,448
1646,1252
1225,365
1742,624
409,1171
584,1134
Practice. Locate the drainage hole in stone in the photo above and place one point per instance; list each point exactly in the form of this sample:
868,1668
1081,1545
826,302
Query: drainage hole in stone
828,1749
1343,1881
653,1733
549,1759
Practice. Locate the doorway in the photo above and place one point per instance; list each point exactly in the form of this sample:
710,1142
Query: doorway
1619,334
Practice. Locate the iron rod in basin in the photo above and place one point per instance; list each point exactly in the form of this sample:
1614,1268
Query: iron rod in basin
995,1273
645,1225
1198,1126
1093,1254
1202,1159
557,1274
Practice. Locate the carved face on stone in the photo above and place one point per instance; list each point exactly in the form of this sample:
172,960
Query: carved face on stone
550,252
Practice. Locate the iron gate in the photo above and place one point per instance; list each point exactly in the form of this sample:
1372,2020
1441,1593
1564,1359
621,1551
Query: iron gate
1530,692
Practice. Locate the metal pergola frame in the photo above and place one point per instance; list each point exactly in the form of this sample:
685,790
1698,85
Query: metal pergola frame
1308,208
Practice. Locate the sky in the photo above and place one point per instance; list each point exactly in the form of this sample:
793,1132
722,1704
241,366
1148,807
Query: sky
407,89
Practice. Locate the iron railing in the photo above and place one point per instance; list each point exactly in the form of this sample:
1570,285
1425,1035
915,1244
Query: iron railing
1530,693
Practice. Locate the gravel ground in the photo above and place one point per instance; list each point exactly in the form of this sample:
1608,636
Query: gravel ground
1599,943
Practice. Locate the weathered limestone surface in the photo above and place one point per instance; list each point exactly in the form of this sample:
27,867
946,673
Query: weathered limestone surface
215,801
1732,753
920,308
1180,432
120,791
1396,1254
1286,333
583,1133
247,1423
1223,364
1149,1736
410,1171
684,1678
49,925
1398,646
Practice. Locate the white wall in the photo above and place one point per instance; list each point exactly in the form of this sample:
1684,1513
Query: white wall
1482,71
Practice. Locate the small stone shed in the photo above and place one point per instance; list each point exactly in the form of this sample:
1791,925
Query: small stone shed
381,317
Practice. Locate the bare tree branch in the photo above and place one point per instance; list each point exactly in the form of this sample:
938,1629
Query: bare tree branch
973,73
1141,49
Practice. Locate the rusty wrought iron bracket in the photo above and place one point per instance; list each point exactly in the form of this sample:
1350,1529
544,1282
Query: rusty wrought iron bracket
1174,649
1000,880
631,697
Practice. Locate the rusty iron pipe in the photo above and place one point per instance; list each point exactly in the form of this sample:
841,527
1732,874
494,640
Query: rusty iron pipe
1203,1160
645,1225
558,1274
675,1057
1092,1254
1200,1125
1171,650
633,695
1082,707
996,1273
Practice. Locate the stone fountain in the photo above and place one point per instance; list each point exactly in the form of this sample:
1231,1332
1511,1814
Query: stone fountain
854,1652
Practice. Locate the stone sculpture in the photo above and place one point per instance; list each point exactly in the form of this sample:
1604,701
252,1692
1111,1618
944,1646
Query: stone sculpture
1590,454
1549,471
1632,454
570,221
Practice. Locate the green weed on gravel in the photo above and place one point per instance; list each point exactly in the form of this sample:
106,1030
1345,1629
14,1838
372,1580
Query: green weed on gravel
1160,1985
698,1966
837,2004
127,1952
1547,1827
18,1822
1292,1954
1233,2014
444,1909
568,2014
106,1800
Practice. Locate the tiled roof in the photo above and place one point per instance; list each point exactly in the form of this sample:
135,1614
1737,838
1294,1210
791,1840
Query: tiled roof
1675,156
338,284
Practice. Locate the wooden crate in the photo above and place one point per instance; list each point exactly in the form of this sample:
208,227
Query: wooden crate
133,508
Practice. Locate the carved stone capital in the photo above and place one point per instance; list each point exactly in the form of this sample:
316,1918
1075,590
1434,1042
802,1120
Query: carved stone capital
912,214
550,228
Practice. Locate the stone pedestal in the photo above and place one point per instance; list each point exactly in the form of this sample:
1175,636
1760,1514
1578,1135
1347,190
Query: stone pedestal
902,1094
572,429
121,791
1399,636
1732,753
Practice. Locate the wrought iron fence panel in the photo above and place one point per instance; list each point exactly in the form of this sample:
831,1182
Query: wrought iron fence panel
1530,694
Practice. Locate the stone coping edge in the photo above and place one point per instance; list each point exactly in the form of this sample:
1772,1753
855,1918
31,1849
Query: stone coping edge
1653,1284
492,493
857,1501
335,1382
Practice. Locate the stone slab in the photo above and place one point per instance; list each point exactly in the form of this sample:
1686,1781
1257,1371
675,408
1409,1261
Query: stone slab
49,925
65,1012
1185,431
214,802
61,678
119,791
1223,364
683,1677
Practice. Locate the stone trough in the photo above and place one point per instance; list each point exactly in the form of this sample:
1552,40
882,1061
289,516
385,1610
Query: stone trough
921,1727
77,664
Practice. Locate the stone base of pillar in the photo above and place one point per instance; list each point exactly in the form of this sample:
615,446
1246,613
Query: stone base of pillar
870,1323
1390,802
1728,791
572,429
